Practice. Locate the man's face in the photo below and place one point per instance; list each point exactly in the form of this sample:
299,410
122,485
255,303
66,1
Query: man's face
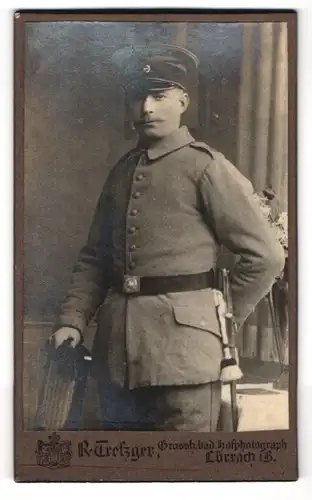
157,114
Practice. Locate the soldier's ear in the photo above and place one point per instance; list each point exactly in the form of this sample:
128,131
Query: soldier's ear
184,101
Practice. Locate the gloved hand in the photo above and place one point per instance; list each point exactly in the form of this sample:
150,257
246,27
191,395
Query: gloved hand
66,334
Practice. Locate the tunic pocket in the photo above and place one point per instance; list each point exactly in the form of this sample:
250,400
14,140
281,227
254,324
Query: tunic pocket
197,318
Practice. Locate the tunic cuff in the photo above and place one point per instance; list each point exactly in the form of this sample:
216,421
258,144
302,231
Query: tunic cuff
73,322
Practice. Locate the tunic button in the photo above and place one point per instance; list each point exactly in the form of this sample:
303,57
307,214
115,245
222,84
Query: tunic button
132,264
132,229
139,177
137,194
134,212
203,322
132,247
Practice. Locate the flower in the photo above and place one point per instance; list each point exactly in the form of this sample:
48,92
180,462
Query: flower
279,222
280,225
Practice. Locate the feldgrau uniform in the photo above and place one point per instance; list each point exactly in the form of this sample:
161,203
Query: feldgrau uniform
146,268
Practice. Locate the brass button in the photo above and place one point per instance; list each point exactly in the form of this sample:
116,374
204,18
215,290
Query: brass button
139,177
203,322
136,195
134,211
132,264
132,229
132,248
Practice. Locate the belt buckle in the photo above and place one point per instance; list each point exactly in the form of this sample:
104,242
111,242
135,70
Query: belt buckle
131,284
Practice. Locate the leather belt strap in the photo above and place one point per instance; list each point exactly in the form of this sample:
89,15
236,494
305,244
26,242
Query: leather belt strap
155,285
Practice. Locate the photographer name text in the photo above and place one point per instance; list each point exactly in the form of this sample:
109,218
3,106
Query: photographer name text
214,451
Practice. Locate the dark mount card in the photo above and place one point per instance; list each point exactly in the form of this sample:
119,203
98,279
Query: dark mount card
155,196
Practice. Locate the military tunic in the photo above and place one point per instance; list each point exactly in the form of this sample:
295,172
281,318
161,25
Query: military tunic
165,211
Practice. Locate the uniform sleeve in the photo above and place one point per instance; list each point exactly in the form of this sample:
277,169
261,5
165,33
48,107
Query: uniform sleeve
231,210
91,274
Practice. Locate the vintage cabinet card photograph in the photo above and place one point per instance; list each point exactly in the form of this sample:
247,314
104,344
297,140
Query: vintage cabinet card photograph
155,246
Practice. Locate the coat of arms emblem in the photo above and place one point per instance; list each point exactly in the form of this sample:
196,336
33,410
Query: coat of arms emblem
54,453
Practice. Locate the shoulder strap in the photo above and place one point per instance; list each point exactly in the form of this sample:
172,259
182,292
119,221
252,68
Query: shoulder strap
202,146
127,155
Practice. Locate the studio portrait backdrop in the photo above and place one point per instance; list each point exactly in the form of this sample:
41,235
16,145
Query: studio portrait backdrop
76,129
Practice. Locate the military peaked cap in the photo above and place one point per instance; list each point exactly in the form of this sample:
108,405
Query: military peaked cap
155,67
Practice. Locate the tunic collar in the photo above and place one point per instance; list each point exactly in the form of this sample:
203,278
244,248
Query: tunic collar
178,139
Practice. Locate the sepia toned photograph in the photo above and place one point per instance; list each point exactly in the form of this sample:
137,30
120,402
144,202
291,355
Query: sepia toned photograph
153,236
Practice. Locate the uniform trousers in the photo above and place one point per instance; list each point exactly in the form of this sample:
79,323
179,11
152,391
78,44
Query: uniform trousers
180,407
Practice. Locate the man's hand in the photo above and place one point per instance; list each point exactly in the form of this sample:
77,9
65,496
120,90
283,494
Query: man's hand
66,333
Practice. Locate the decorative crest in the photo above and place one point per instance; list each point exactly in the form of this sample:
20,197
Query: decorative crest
54,454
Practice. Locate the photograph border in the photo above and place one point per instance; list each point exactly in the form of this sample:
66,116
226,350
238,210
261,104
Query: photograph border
175,465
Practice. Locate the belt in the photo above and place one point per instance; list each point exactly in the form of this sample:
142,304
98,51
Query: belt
155,285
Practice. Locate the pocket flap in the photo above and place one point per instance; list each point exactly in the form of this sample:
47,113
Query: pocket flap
203,319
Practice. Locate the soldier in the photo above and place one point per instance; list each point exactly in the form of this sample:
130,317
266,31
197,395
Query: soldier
147,266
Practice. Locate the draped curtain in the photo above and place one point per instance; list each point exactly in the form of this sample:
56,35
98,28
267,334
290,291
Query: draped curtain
262,145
